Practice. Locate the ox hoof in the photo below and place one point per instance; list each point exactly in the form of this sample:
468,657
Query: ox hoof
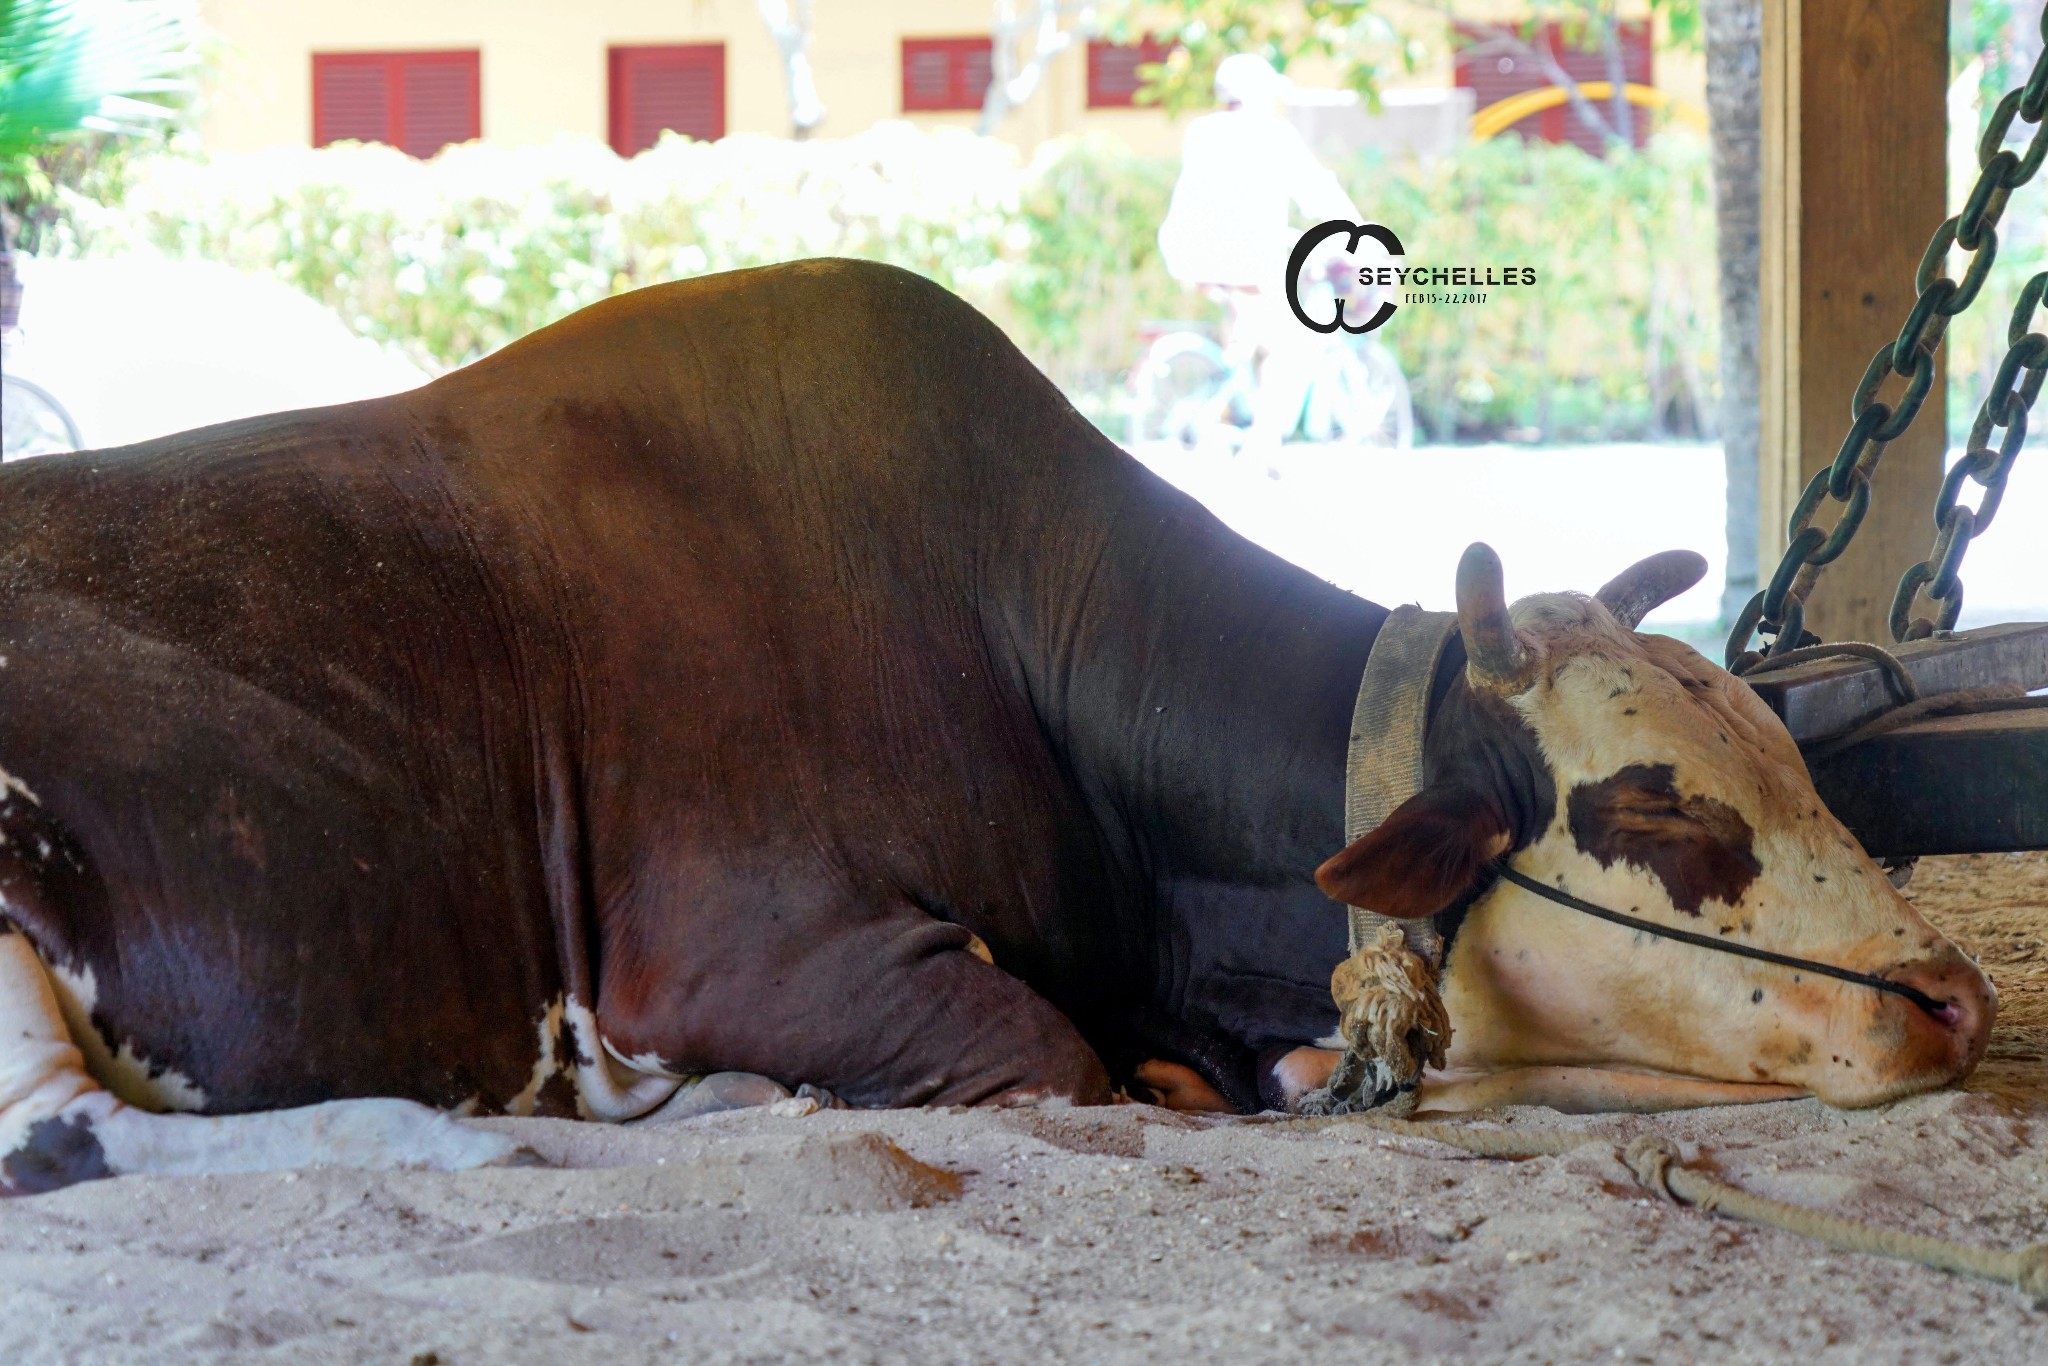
1028,1098
1181,1088
826,1100
720,1092
54,1154
808,1100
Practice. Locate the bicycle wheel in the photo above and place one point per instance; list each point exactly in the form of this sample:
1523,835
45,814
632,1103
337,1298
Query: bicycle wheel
32,422
1177,390
1362,398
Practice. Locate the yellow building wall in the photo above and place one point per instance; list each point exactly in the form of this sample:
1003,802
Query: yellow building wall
543,65
544,74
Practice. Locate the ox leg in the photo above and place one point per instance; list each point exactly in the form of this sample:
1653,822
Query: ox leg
953,1030
59,1126
897,1010
949,1028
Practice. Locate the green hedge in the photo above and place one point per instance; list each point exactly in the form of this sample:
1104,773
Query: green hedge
451,259
1617,340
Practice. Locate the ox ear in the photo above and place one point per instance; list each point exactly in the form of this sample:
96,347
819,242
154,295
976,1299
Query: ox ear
1646,585
1423,857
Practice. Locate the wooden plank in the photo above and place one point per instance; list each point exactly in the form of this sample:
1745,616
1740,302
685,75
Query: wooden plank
1833,696
1778,280
1953,785
1854,183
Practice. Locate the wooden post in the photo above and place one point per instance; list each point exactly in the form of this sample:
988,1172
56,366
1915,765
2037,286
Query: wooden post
1854,183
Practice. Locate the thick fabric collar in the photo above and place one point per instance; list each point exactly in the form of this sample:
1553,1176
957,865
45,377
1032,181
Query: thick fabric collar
1383,766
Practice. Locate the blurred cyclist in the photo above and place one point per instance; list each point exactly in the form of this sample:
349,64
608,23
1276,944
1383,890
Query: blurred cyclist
1227,231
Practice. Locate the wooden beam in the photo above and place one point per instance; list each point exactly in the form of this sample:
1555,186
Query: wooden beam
1952,785
1854,182
1831,697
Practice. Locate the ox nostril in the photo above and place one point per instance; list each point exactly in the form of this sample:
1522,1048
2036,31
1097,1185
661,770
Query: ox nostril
1945,1002
1960,1000
1947,1013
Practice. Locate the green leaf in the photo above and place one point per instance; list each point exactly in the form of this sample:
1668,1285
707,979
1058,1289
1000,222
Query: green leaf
74,68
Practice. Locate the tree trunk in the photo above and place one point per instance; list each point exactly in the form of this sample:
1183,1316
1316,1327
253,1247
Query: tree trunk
1013,81
789,24
1735,109
1734,30
1623,116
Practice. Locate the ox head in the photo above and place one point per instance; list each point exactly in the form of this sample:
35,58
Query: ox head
1628,770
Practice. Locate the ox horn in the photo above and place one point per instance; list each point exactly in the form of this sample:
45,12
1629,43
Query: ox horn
1494,656
1648,584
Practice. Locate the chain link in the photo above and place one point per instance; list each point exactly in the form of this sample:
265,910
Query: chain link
1956,523
1779,611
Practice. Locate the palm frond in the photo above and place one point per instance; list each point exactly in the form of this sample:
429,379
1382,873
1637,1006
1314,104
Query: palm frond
77,67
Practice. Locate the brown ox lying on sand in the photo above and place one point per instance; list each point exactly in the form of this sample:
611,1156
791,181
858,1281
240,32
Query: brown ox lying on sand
719,678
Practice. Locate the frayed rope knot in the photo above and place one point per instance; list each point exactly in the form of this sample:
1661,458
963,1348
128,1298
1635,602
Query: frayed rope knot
1393,1025
1388,1007
1650,1157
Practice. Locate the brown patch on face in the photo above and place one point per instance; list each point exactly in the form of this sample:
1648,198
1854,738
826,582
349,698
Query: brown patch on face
1697,847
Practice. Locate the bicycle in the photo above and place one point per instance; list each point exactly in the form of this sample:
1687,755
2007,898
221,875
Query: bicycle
33,422
1188,389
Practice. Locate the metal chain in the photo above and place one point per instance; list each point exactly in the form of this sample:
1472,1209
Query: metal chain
1779,611
1956,524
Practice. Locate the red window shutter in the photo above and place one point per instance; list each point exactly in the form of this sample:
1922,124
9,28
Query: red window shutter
1583,65
973,71
418,102
1492,76
677,88
945,73
1113,80
927,78
439,97
351,98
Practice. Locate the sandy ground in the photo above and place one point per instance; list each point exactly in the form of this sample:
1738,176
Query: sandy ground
1123,1234
1118,1234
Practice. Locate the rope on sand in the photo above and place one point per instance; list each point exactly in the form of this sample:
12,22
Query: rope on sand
1655,1160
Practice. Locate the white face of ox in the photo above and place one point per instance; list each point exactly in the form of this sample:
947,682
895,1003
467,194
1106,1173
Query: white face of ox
1679,798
